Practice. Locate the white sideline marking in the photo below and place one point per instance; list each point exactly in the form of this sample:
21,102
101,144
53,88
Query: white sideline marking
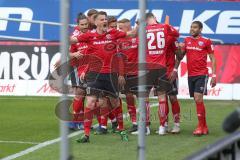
47,143
39,146
19,142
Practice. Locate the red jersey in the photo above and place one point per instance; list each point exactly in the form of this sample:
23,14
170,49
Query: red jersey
157,35
170,56
196,51
129,47
103,46
82,47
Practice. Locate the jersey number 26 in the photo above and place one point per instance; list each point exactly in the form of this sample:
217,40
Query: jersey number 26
158,37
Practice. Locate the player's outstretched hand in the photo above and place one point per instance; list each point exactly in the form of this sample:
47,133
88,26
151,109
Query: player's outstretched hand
213,82
121,81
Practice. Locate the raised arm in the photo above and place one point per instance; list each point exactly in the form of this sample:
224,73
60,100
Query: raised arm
172,31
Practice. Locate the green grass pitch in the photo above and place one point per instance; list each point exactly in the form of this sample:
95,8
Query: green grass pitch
32,119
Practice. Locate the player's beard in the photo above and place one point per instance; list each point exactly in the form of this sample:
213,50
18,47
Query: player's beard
194,34
84,30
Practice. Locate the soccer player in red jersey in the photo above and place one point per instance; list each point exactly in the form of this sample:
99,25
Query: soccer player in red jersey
112,22
172,66
76,51
104,82
128,46
90,15
78,101
115,114
157,36
197,48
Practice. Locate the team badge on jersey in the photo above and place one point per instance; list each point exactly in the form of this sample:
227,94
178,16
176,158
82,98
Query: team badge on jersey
134,40
108,36
200,43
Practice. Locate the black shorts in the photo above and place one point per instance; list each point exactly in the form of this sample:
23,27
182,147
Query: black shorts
197,84
102,84
131,84
174,88
75,80
157,78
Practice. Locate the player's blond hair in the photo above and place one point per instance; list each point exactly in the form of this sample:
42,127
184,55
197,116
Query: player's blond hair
124,20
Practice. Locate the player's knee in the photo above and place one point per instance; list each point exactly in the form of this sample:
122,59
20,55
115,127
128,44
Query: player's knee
161,93
78,96
91,101
198,98
79,93
115,102
103,102
161,96
173,99
129,96
147,99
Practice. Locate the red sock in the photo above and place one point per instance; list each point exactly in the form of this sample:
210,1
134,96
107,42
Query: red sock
104,111
201,114
78,109
162,110
132,109
176,111
119,116
88,116
147,113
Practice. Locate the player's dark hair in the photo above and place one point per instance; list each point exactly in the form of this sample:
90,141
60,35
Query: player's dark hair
91,12
111,19
81,16
200,25
149,15
99,13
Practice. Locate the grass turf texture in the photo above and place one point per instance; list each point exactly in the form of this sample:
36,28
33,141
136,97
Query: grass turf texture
32,119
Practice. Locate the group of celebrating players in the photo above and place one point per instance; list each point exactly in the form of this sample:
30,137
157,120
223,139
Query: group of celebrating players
104,57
